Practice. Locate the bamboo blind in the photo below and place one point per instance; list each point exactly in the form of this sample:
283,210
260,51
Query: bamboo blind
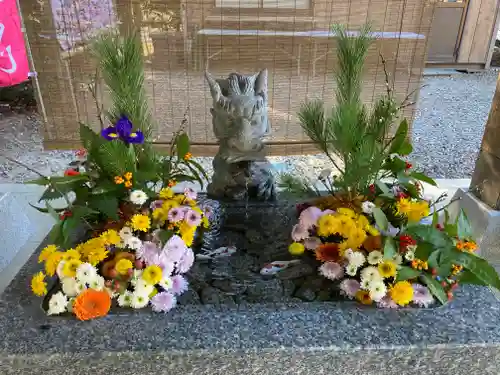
183,37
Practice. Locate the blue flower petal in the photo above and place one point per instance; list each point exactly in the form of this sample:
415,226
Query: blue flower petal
124,126
110,133
135,137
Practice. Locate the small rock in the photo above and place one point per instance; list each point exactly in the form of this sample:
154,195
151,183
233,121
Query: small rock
229,286
288,287
213,296
324,295
294,272
305,294
265,291
189,297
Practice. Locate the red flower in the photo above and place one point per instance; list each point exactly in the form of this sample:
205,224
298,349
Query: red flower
372,188
71,172
405,241
408,165
65,214
402,195
439,226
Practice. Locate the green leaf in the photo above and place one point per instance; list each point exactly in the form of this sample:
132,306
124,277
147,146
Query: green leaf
435,288
39,181
435,219
407,273
433,259
451,230
182,145
165,235
106,204
69,227
399,138
117,158
446,217
402,177
383,187
390,250
464,230
406,149
422,177
424,250
52,212
45,210
199,168
481,269
467,277
55,235
429,234
380,219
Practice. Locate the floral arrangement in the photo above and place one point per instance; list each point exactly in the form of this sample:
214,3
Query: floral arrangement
137,231
374,234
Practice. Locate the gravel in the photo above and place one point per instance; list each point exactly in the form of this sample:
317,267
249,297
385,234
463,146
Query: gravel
447,132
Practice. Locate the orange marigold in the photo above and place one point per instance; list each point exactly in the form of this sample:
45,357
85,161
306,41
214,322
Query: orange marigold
92,304
328,252
188,156
364,297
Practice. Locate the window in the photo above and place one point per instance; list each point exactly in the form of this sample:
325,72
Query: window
271,4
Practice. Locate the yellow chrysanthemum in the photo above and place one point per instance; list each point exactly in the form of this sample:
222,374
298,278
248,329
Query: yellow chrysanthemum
401,293
205,222
46,252
362,221
52,263
160,215
169,204
296,248
364,297
188,236
347,212
152,274
419,211
403,206
123,265
140,222
70,267
166,193
180,198
327,225
387,269
97,255
372,231
111,237
71,254
38,284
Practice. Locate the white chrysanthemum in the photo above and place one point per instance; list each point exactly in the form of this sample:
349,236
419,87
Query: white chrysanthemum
166,283
111,292
69,307
80,287
59,269
139,300
351,270
356,259
365,284
133,242
377,290
85,273
125,233
410,255
138,197
125,299
368,207
97,283
69,286
136,276
57,304
375,257
143,287
370,273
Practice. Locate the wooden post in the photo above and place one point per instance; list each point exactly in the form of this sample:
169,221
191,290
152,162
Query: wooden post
485,182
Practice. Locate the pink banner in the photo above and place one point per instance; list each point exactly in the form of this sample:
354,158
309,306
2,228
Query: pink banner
14,67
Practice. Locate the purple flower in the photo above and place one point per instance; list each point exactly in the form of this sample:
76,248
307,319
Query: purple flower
208,211
312,243
299,232
163,302
156,204
175,215
309,217
331,270
422,296
166,265
190,194
174,249
123,130
349,287
148,253
186,261
193,218
387,303
179,284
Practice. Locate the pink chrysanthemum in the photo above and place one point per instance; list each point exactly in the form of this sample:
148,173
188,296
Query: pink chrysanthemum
422,296
190,194
387,303
148,253
156,204
179,284
166,265
309,217
193,218
299,232
331,270
163,302
349,287
312,243
186,261
208,211
175,215
174,249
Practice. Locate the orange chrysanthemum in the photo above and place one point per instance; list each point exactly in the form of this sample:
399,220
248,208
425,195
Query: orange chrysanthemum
92,304
328,252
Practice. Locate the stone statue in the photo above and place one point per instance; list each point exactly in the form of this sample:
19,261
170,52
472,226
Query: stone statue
240,123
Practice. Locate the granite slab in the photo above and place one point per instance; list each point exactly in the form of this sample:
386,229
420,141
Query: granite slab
275,338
